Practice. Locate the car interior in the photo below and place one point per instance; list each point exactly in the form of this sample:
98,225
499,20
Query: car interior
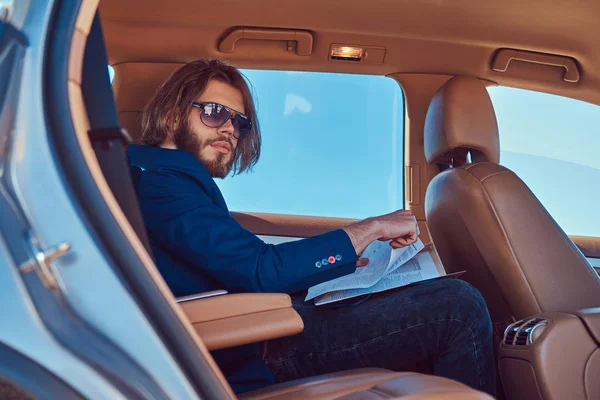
481,217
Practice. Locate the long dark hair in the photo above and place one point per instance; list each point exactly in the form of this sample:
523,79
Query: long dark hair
171,103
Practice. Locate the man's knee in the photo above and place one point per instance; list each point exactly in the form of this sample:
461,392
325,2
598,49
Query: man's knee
468,304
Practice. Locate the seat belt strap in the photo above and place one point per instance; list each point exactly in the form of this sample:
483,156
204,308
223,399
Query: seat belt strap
108,139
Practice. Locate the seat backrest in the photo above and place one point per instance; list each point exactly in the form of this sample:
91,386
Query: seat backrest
133,86
485,220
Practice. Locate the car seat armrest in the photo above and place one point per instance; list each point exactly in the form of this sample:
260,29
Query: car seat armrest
229,320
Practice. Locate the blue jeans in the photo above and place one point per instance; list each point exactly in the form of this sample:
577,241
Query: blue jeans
442,327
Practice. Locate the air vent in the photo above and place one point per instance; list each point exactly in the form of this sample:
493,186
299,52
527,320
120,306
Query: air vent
511,332
521,339
521,333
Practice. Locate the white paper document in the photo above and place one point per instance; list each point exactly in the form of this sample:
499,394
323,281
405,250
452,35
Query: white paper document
382,260
387,269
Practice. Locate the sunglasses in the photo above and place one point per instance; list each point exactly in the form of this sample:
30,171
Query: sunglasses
215,115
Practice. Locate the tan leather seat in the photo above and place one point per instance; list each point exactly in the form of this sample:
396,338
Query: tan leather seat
484,219
227,320
133,86
368,383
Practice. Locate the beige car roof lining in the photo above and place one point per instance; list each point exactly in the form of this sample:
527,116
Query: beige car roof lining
458,37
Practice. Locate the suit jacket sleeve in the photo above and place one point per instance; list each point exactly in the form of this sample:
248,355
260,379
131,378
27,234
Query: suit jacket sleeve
182,217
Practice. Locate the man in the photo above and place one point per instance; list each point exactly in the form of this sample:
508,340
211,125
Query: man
201,124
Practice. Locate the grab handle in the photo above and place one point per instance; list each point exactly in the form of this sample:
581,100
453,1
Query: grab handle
505,56
304,39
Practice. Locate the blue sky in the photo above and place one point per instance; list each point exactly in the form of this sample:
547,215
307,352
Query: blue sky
553,144
333,146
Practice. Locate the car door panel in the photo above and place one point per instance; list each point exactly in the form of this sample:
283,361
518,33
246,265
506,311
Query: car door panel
278,228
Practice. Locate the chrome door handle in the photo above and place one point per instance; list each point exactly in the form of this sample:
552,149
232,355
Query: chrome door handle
41,262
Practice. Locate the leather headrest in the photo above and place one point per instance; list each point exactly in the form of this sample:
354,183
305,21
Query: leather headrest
461,119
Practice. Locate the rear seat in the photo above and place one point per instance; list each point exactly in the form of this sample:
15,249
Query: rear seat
369,384
229,320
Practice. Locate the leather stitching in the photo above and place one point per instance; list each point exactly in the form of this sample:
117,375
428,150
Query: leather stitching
508,242
494,174
380,392
579,254
335,380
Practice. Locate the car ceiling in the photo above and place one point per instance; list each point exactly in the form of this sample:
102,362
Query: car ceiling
453,37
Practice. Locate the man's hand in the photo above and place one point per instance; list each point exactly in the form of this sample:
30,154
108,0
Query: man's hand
399,226
362,262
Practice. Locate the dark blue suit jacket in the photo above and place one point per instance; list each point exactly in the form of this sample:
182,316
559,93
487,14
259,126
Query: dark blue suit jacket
199,247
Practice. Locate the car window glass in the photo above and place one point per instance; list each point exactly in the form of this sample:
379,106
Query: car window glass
553,144
332,146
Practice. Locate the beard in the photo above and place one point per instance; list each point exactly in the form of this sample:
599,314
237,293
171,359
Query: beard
190,143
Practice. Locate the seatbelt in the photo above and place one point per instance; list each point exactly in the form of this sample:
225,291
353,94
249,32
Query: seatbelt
108,139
